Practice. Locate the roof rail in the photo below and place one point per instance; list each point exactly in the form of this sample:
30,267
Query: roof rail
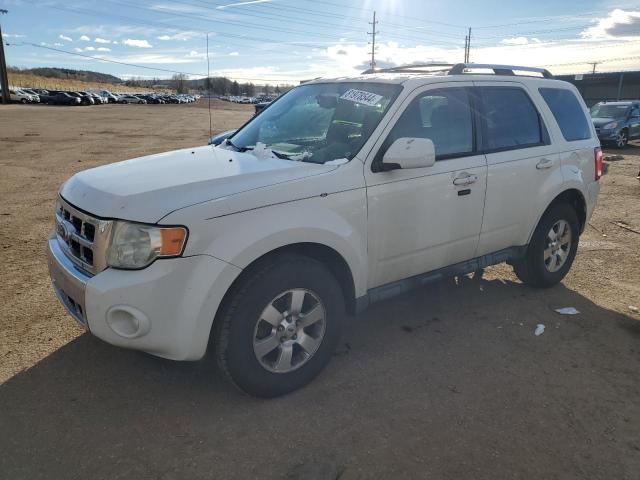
410,68
460,68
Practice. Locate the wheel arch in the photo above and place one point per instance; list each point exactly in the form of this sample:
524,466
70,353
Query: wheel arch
573,197
328,256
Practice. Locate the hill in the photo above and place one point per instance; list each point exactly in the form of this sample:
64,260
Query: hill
69,74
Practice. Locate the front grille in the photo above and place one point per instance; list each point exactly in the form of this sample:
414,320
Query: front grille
82,237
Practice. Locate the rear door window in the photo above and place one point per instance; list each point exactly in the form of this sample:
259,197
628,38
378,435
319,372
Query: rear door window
568,113
510,120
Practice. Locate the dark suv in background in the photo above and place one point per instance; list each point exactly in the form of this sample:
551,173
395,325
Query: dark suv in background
617,122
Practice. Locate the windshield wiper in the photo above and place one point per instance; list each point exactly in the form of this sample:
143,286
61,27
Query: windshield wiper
238,149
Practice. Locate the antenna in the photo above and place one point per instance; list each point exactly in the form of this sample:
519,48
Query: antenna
209,89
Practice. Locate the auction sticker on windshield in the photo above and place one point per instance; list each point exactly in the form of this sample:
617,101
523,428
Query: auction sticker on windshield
360,96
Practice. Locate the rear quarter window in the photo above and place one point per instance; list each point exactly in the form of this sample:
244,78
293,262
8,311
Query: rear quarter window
568,113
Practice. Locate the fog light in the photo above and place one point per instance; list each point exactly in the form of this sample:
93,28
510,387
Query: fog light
128,322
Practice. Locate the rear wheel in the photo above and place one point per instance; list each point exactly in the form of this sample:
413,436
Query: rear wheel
552,250
24,101
280,325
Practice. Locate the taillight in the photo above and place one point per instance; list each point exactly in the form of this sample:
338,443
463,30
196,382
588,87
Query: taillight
597,155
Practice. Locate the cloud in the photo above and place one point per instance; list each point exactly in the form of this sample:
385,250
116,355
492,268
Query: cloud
137,43
342,51
84,38
58,44
182,36
65,38
238,4
234,54
618,24
101,40
13,35
89,49
519,41
103,49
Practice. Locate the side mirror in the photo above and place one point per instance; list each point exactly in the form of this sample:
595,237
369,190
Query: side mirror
409,153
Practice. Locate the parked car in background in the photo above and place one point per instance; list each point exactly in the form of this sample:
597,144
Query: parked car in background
63,98
98,100
33,93
85,99
221,137
131,99
259,107
17,95
617,122
343,193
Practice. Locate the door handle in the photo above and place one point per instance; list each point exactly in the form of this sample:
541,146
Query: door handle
544,163
465,178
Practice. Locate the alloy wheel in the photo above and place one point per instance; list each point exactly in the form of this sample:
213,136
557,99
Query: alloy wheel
557,246
289,331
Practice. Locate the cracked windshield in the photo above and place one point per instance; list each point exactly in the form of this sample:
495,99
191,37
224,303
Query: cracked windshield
317,123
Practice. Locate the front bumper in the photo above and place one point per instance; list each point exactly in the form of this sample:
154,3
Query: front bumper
607,135
68,282
166,309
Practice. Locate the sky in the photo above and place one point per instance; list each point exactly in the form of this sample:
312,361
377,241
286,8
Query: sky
285,41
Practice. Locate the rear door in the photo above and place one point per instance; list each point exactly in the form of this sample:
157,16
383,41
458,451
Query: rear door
521,163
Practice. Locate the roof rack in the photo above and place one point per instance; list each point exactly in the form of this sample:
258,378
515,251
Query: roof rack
461,68
411,68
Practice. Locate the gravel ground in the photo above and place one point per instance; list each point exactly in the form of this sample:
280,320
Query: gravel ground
448,382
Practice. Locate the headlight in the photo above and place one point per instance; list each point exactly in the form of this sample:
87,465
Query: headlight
134,245
610,126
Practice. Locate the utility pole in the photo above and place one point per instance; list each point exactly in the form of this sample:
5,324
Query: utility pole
373,40
594,66
466,43
4,81
467,49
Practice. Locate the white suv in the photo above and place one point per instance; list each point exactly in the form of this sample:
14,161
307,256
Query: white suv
341,193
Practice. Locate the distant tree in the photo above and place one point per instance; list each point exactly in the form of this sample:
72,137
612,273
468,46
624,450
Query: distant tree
278,91
249,89
179,81
235,88
266,89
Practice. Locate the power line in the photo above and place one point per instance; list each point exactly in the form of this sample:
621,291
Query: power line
166,70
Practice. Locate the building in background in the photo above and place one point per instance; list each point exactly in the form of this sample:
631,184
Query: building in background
598,87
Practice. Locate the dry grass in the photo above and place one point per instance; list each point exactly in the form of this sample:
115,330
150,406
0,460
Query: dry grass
36,81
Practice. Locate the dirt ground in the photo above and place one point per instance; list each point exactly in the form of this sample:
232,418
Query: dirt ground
448,382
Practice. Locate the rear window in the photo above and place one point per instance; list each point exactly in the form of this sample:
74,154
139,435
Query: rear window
568,113
510,119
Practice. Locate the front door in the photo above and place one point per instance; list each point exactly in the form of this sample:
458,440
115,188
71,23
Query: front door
423,219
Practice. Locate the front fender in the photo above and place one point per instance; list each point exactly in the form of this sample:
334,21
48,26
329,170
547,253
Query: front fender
336,220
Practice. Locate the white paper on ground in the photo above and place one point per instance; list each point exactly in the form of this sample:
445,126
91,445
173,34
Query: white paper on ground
567,311
539,330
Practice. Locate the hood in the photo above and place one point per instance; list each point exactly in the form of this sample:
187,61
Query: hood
148,188
602,121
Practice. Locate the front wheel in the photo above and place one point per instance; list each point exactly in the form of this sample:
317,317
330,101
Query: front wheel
280,326
552,249
622,139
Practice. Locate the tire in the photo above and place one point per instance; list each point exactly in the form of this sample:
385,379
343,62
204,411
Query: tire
267,291
537,268
24,101
622,139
